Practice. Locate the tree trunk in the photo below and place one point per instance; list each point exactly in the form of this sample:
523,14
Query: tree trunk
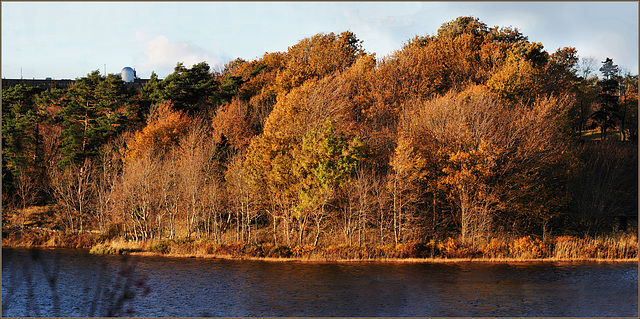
275,233
395,209
318,223
464,212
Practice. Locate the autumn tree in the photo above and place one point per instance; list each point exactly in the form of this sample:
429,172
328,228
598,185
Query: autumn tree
165,126
465,129
540,162
269,165
246,99
243,199
138,199
478,148
106,175
409,169
518,79
317,57
273,156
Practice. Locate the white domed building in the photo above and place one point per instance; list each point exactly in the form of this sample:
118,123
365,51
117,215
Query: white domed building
128,74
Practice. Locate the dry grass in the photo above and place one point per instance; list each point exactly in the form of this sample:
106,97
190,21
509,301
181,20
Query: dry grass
33,216
623,247
612,247
49,238
521,249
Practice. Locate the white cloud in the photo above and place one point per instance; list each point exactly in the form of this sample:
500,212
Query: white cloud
375,32
161,55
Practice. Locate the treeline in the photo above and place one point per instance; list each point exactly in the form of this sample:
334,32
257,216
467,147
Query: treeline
473,132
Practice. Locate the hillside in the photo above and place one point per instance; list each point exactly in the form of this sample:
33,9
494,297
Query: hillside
471,133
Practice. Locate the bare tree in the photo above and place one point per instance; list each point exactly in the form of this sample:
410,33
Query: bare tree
169,196
107,174
381,197
586,66
192,156
25,185
605,187
242,199
73,189
363,188
138,195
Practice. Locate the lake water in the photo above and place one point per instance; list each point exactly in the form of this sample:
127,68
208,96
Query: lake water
67,282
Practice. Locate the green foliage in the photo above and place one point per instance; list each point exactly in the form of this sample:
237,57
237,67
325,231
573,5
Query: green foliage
20,118
93,115
22,165
325,164
189,89
328,158
607,112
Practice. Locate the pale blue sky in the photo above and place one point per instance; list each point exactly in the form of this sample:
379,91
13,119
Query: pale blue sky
70,39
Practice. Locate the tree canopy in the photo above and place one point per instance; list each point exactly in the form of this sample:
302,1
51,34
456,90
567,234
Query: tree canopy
471,131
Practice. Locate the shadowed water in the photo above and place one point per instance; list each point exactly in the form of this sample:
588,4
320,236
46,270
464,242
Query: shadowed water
160,286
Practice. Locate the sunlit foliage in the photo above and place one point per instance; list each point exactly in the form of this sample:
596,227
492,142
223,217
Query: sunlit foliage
470,132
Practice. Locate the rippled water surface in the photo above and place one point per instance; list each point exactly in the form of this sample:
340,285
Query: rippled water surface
75,283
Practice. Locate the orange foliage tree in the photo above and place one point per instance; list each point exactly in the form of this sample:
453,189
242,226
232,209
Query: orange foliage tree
164,128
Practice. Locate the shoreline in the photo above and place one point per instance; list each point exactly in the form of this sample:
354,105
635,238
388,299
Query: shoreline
383,260
612,248
352,260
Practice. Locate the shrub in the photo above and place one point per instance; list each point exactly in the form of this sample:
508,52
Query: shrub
411,250
526,247
161,247
449,248
382,251
105,249
279,252
494,248
252,250
307,250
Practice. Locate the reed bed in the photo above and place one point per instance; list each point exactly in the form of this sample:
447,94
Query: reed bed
614,247
611,247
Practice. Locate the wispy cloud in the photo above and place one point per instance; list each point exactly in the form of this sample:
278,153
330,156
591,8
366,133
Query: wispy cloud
161,55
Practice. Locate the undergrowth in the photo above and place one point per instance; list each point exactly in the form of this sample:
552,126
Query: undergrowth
49,238
619,246
562,248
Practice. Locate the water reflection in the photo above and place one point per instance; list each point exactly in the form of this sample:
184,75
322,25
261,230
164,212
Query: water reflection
207,287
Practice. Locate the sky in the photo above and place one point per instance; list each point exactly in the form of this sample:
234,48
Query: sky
68,40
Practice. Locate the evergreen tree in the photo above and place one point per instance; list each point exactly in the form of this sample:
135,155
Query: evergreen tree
190,89
20,139
93,115
607,111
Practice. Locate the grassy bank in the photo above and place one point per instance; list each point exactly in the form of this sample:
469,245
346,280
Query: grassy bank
612,247
41,237
619,247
